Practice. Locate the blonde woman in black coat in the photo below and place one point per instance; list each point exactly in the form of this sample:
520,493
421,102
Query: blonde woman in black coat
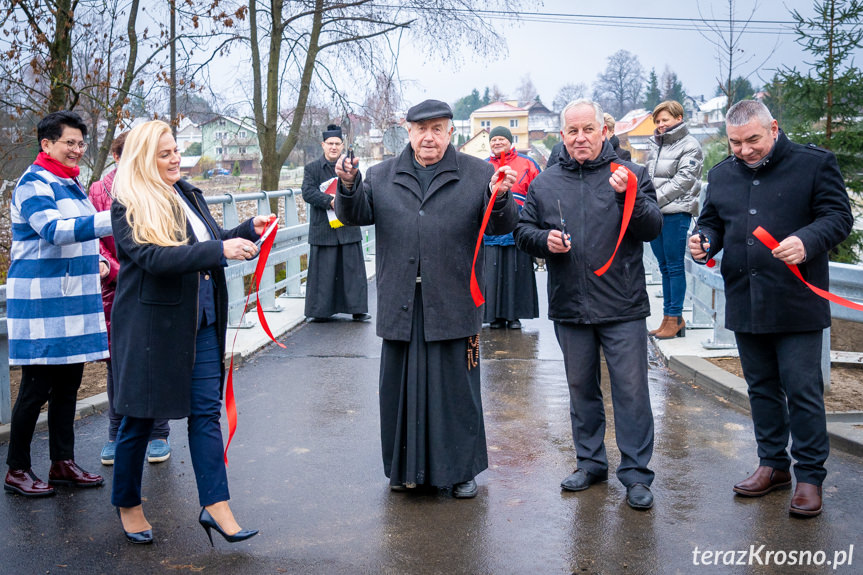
170,317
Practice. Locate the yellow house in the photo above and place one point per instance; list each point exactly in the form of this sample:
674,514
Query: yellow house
505,114
634,130
478,146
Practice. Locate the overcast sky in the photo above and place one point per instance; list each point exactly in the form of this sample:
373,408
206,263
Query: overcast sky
562,49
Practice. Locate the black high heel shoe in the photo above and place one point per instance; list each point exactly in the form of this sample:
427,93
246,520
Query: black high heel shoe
140,538
207,522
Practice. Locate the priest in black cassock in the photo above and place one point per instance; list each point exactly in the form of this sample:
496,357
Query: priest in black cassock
336,282
427,205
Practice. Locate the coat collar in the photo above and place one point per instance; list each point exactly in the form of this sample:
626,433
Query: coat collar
679,132
447,171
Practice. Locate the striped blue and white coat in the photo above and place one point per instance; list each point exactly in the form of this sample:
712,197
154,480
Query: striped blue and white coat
53,290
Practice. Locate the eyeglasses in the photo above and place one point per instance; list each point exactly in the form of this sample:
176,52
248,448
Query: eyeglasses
72,144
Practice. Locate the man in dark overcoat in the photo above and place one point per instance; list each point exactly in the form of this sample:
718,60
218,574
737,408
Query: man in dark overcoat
797,194
593,312
336,281
427,205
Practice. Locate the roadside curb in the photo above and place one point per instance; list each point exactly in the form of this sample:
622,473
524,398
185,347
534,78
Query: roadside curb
845,429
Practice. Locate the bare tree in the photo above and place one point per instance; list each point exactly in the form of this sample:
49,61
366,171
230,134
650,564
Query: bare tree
383,102
295,43
618,88
567,94
91,62
526,91
726,35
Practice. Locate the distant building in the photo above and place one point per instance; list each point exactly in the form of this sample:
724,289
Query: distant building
187,134
634,131
231,141
712,112
541,121
190,166
478,146
691,108
506,114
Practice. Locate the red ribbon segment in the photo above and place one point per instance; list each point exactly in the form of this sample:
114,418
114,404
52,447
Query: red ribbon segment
765,238
628,205
230,401
475,292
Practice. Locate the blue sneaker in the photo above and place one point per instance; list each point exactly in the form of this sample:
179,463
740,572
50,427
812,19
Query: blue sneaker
107,454
158,450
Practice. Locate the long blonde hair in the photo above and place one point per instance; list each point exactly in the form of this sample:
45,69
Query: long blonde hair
153,208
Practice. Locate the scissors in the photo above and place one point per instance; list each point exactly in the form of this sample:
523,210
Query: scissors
349,158
270,227
562,223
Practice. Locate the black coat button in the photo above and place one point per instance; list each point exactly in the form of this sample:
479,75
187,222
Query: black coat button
404,308
422,213
750,242
412,260
753,211
756,182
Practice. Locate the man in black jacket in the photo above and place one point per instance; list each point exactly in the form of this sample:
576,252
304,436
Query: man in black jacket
336,282
592,312
797,194
427,205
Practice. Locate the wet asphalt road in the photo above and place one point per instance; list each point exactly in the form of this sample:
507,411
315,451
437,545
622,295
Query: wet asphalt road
305,469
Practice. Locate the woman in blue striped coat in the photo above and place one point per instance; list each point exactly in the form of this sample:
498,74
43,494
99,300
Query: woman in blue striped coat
54,302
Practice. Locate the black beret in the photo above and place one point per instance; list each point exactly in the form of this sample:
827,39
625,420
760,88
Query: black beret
332,131
428,110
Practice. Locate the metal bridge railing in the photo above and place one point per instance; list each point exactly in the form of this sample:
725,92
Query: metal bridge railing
290,246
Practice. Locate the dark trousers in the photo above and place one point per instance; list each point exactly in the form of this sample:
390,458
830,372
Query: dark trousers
205,434
669,249
624,345
786,395
58,385
161,427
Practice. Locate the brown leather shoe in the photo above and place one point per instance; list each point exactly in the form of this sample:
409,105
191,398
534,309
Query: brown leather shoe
665,320
763,481
806,501
68,473
24,482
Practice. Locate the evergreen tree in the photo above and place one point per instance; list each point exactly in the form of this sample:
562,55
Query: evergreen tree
825,102
464,106
652,96
672,87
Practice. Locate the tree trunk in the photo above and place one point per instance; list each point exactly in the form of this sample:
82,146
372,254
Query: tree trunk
60,57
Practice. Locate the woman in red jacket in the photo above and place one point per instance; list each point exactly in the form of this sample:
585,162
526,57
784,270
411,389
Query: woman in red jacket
510,284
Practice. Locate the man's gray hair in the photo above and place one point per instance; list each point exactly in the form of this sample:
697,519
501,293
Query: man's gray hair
745,111
582,102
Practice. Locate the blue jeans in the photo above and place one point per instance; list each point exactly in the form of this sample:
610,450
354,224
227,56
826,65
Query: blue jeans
669,249
205,434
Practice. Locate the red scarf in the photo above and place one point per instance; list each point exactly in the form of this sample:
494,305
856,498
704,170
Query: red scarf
56,168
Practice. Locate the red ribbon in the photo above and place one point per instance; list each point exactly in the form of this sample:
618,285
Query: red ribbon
230,401
475,292
628,205
769,241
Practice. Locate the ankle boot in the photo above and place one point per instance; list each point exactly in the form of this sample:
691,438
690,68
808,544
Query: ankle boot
676,327
665,320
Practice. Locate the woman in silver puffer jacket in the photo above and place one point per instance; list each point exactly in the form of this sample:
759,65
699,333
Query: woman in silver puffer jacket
674,164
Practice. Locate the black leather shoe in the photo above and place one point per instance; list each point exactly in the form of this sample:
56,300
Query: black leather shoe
638,496
497,324
140,538
361,317
514,324
317,319
207,522
465,490
581,480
